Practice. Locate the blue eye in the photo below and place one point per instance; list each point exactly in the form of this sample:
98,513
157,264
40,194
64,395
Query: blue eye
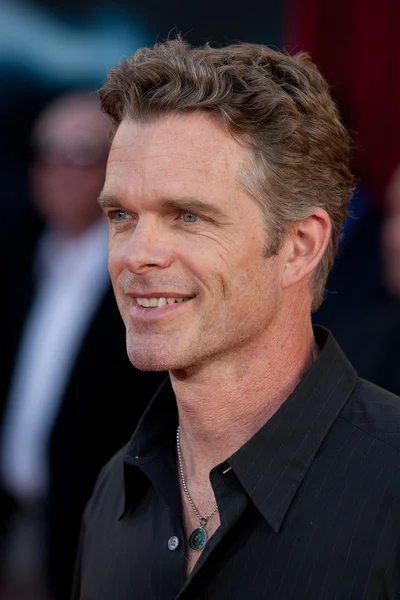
189,217
118,216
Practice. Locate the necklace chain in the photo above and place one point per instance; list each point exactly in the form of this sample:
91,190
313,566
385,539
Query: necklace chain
203,520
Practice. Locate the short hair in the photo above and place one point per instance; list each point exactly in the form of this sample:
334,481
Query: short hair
277,104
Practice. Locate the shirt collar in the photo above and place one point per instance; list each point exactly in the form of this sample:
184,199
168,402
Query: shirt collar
273,463
154,435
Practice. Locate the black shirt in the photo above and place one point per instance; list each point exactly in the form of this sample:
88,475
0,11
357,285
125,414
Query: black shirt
310,508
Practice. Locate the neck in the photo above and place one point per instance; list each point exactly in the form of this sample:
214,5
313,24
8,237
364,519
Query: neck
223,405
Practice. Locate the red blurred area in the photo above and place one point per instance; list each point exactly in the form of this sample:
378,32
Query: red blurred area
356,44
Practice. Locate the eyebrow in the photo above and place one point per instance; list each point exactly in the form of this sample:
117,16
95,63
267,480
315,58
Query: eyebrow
186,203
109,201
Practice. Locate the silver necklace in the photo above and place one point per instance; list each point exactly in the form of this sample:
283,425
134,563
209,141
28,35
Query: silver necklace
198,537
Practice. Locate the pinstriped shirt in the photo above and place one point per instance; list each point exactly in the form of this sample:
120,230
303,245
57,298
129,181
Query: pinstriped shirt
309,510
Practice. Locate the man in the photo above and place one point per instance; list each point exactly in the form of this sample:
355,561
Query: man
265,468
64,392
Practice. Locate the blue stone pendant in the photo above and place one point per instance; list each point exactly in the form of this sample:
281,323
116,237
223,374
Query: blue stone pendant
198,539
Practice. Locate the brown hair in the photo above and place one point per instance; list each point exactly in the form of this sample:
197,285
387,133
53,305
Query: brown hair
277,104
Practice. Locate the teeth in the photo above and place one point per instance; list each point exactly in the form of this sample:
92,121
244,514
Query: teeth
154,302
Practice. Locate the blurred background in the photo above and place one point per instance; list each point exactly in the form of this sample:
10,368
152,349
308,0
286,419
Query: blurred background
68,395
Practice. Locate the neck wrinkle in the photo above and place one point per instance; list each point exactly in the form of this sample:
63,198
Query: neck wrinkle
213,422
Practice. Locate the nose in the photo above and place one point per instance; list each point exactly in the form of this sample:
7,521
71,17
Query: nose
146,249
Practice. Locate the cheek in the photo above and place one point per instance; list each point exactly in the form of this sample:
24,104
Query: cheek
237,271
114,267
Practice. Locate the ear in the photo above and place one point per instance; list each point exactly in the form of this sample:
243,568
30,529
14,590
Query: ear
306,245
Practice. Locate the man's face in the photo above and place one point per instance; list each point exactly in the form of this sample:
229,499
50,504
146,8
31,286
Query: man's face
183,229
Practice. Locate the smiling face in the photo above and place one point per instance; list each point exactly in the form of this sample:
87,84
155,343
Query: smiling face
187,245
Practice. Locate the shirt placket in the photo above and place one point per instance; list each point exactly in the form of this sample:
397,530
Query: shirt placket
232,502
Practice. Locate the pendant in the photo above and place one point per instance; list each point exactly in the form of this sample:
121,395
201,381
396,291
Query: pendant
198,539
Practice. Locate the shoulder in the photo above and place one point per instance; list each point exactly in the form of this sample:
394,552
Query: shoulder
375,411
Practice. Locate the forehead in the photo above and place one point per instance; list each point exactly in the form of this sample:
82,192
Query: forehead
192,149
72,119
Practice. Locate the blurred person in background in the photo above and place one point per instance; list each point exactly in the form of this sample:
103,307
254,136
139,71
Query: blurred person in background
69,396
391,236
362,305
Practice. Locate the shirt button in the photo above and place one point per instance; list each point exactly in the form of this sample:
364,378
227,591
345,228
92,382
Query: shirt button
173,543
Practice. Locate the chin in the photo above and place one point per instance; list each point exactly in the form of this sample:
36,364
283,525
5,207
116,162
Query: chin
147,360
148,364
